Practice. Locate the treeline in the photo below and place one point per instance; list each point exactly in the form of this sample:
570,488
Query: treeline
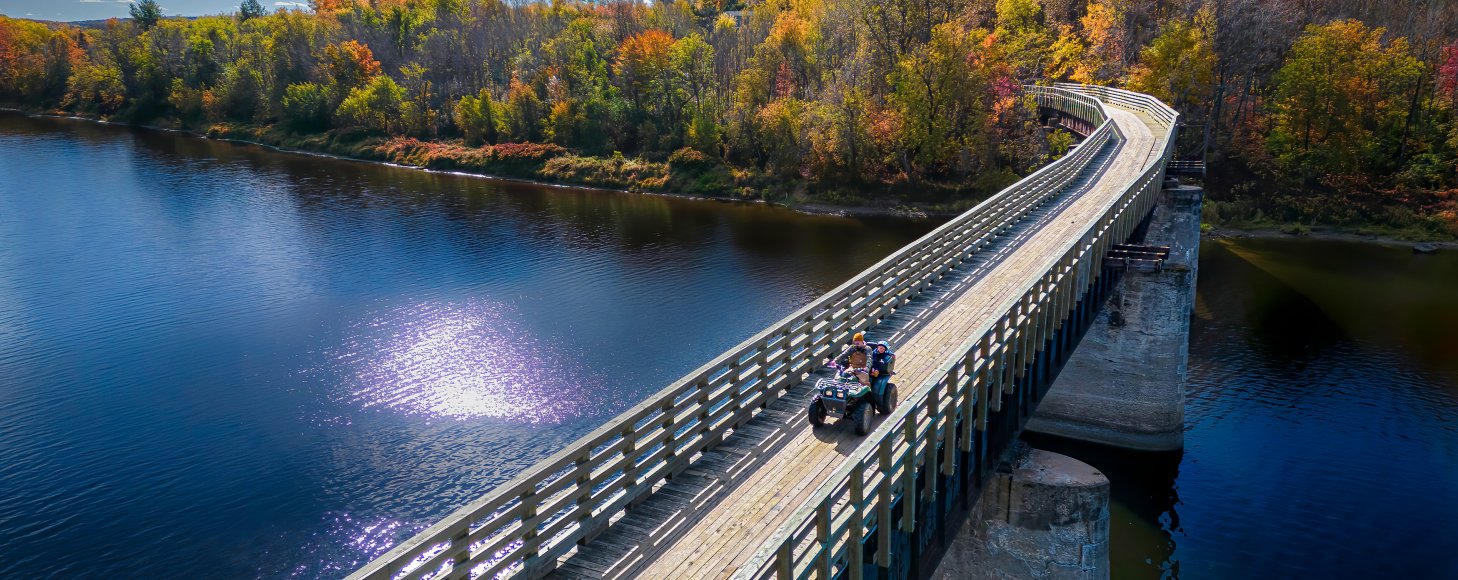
834,93
1342,111
1324,97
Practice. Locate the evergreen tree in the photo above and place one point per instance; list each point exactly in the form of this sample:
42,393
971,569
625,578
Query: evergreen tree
146,13
250,9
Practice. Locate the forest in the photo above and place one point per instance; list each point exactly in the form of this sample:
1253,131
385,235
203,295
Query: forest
1316,112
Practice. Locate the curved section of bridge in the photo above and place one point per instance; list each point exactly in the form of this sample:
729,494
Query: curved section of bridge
719,474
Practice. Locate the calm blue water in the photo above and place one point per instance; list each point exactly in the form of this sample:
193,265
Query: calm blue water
217,361
1321,418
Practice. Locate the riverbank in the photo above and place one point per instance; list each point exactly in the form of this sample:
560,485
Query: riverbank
1241,198
1324,233
685,173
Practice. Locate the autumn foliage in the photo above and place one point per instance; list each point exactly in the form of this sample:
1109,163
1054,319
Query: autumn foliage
1322,98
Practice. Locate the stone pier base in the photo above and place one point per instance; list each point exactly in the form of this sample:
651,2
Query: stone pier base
1124,384
1043,516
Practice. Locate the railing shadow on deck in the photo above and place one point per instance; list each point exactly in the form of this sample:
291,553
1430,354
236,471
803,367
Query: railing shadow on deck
522,527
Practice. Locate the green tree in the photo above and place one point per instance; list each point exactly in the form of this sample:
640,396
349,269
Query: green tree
374,107
941,96
478,118
240,93
350,65
693,65
583,103
1023,35
523,112
146,13
306,106
1340,99
1179,66
250,9
418,117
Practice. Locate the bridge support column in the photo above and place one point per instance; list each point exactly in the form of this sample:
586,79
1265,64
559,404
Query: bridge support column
1124,383
1042,515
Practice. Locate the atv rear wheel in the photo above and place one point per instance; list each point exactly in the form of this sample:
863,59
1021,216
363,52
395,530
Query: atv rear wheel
861,418
816,413
887,404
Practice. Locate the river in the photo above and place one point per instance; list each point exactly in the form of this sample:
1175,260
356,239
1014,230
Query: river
1321,422
221,361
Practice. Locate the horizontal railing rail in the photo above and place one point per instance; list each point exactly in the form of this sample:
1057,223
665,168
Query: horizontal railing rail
935,421
522,527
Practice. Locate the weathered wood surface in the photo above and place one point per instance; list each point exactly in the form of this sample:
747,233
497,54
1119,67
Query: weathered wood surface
709,523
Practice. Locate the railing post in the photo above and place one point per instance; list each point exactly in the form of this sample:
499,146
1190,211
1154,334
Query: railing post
630,470
949,429
969,395
461,544
933,435
822,534
883,511
584,501
784,560
668,442
856,546
908,475
984,376
529,533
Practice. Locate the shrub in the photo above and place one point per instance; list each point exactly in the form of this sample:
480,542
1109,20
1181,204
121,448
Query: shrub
1059,142
306,106
689,159
478,118
526,152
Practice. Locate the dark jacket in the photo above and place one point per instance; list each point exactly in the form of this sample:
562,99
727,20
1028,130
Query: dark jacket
881,362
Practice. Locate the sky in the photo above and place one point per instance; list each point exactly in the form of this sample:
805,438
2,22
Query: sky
66,10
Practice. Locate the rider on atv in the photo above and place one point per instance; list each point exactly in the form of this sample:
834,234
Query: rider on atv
856,358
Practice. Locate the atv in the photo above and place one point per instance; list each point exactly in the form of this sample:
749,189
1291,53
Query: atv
844,396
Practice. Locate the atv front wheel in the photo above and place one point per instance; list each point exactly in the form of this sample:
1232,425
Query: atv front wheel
816,413
861,418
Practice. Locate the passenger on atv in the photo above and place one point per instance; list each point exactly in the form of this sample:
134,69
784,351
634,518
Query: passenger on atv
882,362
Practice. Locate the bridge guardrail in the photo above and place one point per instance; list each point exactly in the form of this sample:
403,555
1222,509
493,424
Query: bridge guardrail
918,437
523,526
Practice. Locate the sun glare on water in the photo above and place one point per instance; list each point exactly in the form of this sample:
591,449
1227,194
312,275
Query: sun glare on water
456,361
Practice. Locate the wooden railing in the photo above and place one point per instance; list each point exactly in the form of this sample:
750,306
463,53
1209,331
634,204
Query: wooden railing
522,527
826,536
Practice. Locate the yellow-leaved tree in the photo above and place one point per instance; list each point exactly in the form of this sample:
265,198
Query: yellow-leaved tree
1179,66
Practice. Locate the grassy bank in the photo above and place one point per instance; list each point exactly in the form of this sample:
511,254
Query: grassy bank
1238,198
685,172
1395,222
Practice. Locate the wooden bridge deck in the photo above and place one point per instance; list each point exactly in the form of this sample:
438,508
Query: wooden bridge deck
710,519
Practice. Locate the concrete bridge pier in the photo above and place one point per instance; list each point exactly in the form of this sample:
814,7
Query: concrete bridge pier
1042,515
1124,385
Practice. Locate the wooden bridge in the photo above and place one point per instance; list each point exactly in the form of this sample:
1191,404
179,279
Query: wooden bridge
720,474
